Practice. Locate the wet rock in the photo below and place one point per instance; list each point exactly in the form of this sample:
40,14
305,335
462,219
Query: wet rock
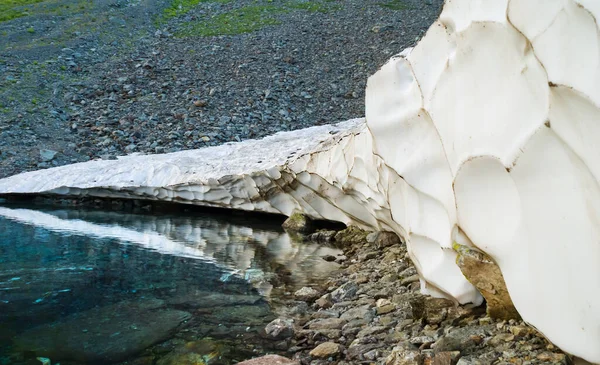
203,352
299,222
325,350
269,360
483,272
105,334
345,292
307,294
279,329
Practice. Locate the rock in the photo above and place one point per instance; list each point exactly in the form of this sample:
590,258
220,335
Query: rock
483,272
446,358
325,350
193,353
350,236
383,240
105,334
327,324
363,312
203,299
307,294
47,155
269,360
323,236
404,356
279,329
200,103
460,339
298,222
384,306
325,301
345,292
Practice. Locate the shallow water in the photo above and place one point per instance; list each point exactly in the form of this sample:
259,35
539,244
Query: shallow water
89,286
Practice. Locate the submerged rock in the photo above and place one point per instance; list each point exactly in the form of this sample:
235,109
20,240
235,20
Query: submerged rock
202,352
482,271
105,334
269,360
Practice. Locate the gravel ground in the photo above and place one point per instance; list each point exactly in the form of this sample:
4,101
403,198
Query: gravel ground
81,80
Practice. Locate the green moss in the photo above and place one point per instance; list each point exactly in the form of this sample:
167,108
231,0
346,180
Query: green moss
394,5
13,9
238,21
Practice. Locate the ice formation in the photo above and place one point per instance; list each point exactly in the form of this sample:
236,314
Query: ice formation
483,134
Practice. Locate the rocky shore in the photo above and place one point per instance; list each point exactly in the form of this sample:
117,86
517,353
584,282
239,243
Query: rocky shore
371,312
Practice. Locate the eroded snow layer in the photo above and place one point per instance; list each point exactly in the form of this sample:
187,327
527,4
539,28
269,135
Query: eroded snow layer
494,116
484,134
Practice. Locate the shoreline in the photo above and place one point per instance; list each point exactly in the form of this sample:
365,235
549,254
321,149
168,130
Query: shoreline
371,311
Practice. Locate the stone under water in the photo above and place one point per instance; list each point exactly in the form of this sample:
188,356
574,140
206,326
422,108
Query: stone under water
484,134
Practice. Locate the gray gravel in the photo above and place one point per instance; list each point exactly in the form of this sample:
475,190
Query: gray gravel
126,83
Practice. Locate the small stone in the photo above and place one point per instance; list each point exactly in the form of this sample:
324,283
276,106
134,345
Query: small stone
460,339
47,155
307,294
402,356
520,331
279,329
446,358
324,301
409,280
345,292
325,350
200,103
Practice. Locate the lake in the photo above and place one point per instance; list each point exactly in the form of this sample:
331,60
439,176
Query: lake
92,286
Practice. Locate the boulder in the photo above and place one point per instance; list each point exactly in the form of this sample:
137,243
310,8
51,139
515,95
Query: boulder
483,272
299,222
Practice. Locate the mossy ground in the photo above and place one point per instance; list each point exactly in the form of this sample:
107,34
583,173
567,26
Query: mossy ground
250,18
13,9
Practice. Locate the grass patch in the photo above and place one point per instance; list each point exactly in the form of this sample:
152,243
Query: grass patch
250,18
394,5
238,21
13,9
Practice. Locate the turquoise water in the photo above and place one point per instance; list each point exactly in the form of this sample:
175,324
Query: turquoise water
82,287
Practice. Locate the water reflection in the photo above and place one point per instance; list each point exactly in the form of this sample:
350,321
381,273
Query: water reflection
195,276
